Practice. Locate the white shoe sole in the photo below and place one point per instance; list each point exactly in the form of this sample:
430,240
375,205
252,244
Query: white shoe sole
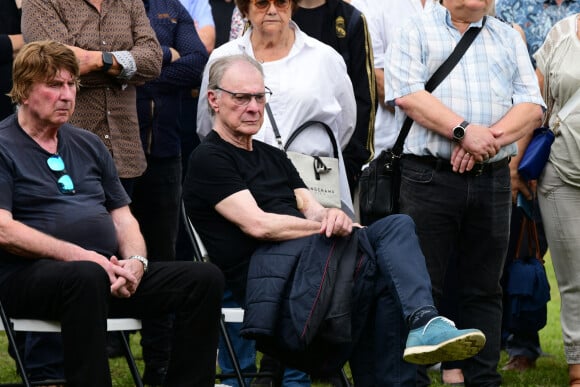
458,348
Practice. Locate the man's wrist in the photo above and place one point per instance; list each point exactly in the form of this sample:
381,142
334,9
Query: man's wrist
459,131
143,260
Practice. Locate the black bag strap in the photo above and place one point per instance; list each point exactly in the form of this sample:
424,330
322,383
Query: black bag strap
299,130
437,77
274,127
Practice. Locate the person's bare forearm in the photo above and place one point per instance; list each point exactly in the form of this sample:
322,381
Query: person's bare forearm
429,112
129,235
519,122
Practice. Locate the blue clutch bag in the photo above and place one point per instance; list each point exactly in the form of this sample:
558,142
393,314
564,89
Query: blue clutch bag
536,154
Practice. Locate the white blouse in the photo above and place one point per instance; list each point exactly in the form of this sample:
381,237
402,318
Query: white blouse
310,84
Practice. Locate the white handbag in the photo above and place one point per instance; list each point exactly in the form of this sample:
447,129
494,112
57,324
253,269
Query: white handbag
319,173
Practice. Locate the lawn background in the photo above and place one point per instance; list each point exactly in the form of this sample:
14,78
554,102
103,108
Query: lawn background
550,371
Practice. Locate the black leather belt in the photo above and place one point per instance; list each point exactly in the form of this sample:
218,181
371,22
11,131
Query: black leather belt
445,165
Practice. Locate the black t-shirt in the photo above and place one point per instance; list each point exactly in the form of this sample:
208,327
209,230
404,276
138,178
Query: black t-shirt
218,169
311,20
30,192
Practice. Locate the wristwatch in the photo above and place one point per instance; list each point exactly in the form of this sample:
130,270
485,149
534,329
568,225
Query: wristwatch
459,131
143,260
107,61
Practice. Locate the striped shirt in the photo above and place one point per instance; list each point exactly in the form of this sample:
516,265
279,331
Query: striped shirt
494,74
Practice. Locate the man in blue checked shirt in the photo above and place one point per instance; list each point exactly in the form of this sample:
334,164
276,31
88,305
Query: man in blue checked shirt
455,167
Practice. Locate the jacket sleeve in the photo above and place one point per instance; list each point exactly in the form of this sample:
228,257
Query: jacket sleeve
188,69
360,69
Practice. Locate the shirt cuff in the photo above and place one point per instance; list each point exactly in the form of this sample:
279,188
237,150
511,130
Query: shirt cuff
127,62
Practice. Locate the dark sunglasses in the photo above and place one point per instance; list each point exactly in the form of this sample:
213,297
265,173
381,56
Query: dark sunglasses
265,4
64,182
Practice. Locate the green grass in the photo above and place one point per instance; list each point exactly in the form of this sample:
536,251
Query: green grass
550,371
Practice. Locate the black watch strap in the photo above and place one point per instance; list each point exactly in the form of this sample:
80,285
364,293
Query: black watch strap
107,61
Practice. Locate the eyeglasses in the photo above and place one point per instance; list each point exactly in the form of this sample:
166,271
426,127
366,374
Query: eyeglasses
265,4
64,182
243,99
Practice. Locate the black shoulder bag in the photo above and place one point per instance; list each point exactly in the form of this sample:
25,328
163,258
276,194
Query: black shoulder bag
380,183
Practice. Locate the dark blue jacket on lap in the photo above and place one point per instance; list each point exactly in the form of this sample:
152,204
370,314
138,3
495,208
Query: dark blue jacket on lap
308,299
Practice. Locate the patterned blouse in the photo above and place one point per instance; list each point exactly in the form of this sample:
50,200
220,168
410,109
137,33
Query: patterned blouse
105,105
536,17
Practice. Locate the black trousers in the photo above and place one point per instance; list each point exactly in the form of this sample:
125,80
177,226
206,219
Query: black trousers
78,295
155,203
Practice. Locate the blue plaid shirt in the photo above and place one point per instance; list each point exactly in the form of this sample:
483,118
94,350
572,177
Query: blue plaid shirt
494,74
536,17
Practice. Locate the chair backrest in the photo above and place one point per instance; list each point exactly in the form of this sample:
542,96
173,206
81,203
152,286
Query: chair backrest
199,251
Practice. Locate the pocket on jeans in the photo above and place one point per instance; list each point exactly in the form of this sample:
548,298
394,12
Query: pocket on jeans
416,173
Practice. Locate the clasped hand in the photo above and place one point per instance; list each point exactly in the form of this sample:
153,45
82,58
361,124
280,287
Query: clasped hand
124,275
479,145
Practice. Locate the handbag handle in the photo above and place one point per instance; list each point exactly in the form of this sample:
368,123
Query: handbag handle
307,124
437,77
299,130
529,225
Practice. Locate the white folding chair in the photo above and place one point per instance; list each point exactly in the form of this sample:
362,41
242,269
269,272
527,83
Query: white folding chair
12,325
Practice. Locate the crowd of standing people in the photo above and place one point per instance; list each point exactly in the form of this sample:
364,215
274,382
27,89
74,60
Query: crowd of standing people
183,100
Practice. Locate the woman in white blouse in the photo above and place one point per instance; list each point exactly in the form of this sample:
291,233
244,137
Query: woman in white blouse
308,79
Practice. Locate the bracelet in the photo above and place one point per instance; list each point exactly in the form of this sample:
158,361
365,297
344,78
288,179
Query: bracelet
143,260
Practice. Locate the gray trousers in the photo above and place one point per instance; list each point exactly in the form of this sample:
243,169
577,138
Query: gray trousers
560,208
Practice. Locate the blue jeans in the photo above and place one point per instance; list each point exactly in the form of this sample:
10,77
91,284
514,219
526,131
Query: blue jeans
42,354
467,216
402,288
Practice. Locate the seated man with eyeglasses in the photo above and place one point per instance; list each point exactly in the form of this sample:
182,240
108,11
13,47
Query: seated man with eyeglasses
70,249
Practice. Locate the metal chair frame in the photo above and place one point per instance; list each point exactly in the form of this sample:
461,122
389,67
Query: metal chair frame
13,325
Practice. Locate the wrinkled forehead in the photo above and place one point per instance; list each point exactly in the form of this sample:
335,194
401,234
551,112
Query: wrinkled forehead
242,76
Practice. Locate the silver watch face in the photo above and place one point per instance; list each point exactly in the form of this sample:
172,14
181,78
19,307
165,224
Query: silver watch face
458,132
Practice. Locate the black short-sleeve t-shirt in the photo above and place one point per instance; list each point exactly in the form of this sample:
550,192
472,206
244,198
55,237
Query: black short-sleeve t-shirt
217,170
30,191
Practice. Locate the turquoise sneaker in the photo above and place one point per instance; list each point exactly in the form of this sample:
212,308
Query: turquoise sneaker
439,341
